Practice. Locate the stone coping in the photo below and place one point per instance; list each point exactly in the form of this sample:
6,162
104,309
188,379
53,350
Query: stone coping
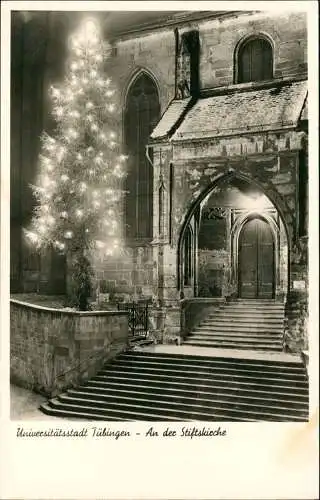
35,307
203,300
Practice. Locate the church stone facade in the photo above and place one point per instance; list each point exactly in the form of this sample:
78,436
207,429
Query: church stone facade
214,121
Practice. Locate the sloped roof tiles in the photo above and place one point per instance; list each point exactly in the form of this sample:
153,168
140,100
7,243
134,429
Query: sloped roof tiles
240,112
170,118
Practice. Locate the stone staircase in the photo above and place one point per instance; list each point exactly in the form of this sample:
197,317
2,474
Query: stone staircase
153,386
242,324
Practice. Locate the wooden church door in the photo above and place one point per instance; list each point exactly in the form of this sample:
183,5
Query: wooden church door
256,260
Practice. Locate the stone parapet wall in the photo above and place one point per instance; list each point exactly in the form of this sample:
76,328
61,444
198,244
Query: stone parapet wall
52,349
194,310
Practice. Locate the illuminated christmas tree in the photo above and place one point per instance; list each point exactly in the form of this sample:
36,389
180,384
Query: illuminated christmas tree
79,186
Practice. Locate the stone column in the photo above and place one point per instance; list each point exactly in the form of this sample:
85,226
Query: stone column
166,313
226,289
195,251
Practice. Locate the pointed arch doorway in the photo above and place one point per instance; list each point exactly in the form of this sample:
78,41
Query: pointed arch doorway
220,267
256,260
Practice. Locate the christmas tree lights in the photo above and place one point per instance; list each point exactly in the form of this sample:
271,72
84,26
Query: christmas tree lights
79,185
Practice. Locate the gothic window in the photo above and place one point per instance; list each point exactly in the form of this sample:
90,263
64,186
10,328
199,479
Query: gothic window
187,257
303,194
141,115
255,61
161,209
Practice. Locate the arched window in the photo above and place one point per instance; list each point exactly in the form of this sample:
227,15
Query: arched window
141,115
187,250
255,61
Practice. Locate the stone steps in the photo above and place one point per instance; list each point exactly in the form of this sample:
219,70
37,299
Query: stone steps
228,318
168,387
220,344
206,334
142,391
249,339
242,324
174,388
240,328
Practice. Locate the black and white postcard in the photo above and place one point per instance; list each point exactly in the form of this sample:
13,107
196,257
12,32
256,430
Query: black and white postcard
159,255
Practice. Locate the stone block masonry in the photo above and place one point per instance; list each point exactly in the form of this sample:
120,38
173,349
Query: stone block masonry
153,52
219,39
127,275
296,336
52,349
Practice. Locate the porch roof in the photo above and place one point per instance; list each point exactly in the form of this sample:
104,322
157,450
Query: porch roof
245,111
170,118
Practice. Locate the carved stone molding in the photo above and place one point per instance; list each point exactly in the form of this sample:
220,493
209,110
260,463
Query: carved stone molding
214,213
